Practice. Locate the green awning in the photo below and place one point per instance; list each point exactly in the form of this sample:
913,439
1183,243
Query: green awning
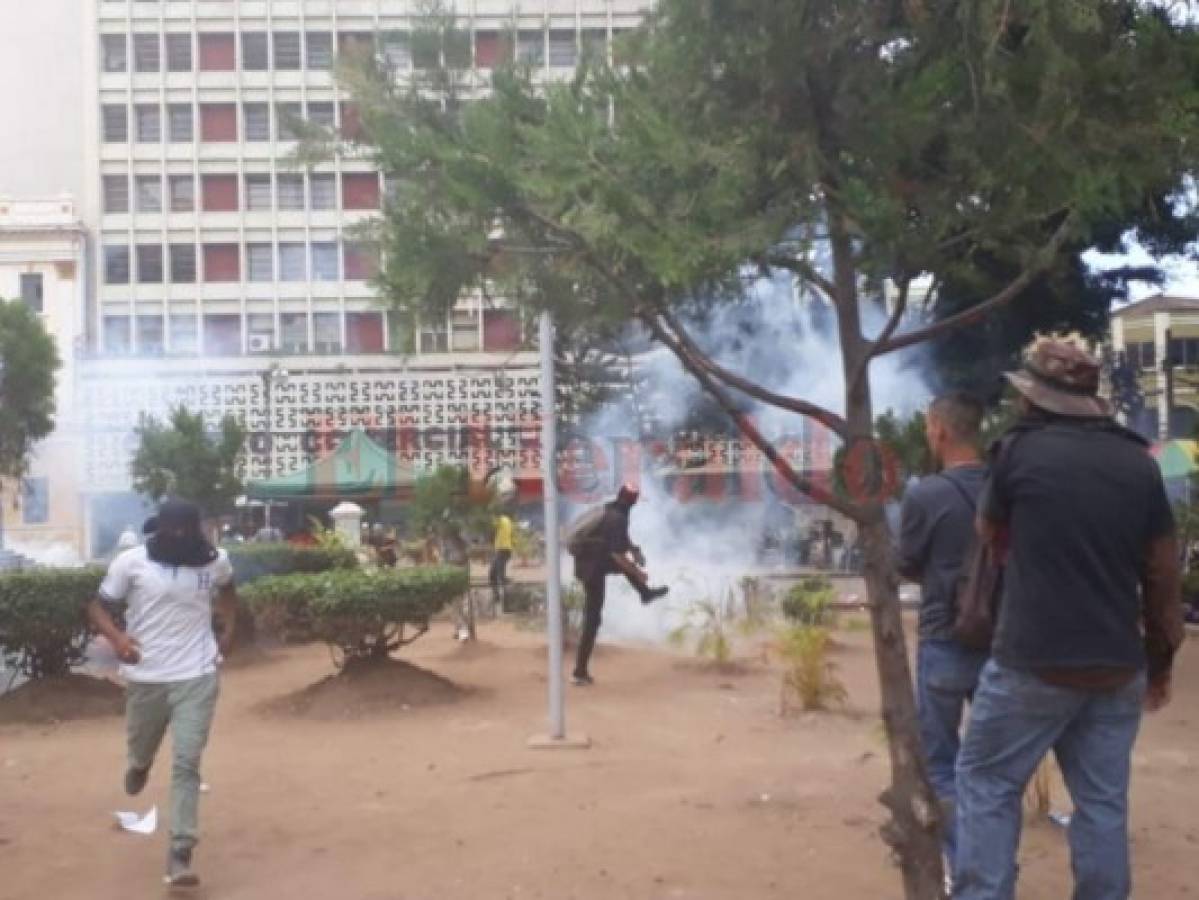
357,468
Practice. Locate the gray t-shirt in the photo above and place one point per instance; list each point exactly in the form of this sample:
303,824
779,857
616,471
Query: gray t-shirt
936,532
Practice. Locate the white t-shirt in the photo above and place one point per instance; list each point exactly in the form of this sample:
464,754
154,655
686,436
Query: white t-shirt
169,613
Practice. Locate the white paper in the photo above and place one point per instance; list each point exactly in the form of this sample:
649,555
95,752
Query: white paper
131,821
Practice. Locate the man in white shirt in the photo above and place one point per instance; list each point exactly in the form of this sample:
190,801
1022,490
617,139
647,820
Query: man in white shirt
169,653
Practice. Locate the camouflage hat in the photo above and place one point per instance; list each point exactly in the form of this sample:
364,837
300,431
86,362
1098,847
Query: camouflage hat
1061,379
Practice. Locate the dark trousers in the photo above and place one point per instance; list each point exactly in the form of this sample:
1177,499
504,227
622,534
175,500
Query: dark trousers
497,575
593,613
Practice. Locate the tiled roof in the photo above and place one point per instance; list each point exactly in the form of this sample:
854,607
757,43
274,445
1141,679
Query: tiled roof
1158,303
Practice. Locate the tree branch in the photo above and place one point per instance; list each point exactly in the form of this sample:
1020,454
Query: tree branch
980,310
901,306
803,269
746,426
827,418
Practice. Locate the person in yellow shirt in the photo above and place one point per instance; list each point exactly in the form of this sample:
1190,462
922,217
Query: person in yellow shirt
498,574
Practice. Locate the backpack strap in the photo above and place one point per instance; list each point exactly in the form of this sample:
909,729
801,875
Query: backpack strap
970,502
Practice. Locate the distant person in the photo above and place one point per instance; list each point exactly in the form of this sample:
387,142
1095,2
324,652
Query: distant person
169,658
1089,622
600,549
497,575
936,533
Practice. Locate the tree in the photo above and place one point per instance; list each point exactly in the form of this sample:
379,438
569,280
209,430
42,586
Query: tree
182,458
28,361
447,506
848,143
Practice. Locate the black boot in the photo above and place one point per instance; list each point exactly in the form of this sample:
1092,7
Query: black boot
652,594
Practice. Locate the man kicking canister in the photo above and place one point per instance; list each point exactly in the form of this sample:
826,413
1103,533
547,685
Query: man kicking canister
169,657
605,549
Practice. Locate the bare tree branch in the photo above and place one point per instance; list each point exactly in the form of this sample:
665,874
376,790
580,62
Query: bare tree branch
746,426
804,270
975,313
901,306
825,417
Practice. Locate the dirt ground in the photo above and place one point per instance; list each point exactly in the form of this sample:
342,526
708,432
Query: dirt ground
693,788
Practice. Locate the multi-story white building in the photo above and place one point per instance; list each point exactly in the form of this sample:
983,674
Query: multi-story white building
229,278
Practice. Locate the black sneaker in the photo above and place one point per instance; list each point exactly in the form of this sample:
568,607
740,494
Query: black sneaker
135,780
654,594
582,680
179,868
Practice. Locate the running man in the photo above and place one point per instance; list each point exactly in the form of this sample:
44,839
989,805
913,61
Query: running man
169,657
498,573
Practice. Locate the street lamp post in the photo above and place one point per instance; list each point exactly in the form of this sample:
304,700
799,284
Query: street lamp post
272,375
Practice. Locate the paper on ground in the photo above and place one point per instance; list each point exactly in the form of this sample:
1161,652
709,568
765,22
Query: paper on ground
131,821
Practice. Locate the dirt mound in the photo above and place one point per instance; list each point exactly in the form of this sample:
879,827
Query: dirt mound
62,699
366,690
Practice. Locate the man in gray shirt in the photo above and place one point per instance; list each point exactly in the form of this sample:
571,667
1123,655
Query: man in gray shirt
936,533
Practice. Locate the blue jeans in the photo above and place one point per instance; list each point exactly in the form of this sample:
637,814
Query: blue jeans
1016,719
946,676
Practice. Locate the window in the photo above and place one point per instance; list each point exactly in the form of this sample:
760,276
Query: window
254,56
179,52
260,262
501,330
185,336
219,193
149,335
325,261
1143,354
149,193
287,50
35,501
287,116
491,49
361,262
318,48
260,331
149,123
290,191
351,122
258,192
221,262
115,119
149,263
465,329
183,263
434,337
530,47
114,52
257,121
180,123
323,114
326,329
116,335
323,190
218,122
360,190
396,51
355,42
426,54
293,262
32,291
218,53
564,51
222,335
364,332
115,189
116,265
595,43
183,192
147,53
293,332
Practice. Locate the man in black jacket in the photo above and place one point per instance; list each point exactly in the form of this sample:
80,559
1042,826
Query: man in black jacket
607,550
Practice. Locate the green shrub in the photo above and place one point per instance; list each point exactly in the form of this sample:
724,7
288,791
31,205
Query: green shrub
707,621
810,602
809,676
279,605
253,561
1190,586
43,623
361,614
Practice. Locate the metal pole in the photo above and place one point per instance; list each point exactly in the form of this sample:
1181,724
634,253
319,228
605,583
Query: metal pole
553,583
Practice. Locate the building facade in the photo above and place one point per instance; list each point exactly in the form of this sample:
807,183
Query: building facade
230,278
1158,339
43,264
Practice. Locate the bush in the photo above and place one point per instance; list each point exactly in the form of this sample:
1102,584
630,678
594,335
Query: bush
707,621
810,677
43,623
361,614
253,561
1190,586
810,602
